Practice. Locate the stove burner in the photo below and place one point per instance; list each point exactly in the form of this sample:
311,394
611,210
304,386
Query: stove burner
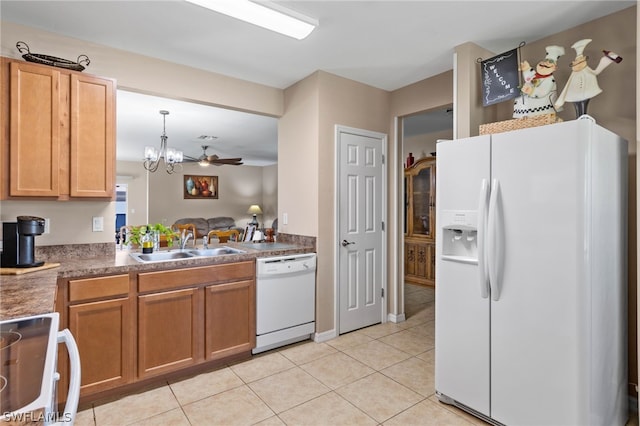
8,338
3,383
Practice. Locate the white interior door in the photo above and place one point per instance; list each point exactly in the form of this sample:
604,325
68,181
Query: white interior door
360,236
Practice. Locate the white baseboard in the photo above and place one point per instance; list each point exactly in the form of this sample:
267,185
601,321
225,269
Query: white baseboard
396,318
325,335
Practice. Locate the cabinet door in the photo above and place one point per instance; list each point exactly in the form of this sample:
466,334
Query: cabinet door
168,331
423,200
103,332
92,136
431,262
34,130
410,259
230,319
421,261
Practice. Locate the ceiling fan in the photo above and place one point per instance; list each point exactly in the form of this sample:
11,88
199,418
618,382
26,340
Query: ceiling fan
205,159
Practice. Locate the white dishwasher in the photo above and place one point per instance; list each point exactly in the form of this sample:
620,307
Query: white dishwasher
285,300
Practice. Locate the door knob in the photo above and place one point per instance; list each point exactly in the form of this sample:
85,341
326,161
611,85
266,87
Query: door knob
346,243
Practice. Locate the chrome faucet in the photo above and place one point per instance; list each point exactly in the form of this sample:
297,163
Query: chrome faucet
184,238
205,242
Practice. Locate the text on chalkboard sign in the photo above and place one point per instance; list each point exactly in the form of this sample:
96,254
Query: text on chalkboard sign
500,78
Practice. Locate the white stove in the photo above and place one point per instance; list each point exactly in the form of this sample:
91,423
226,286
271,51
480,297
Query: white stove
28,377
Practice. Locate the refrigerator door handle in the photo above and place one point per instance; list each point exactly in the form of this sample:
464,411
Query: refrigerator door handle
71,406
482,229
495,249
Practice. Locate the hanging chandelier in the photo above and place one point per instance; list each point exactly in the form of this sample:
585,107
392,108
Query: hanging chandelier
153,156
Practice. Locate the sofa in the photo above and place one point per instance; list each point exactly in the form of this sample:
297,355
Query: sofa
203,226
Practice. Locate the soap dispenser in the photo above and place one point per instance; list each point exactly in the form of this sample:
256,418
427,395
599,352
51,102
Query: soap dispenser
147,241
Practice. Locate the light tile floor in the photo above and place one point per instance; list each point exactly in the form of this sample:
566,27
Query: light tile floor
380,375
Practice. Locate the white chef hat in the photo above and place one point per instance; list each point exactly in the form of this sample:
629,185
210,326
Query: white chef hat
554,52
580,45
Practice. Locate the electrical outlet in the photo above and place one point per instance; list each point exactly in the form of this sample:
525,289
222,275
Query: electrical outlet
47,225
285,218
98,224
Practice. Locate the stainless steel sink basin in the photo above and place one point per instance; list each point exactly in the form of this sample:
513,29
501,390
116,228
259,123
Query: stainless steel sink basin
162,256
217,251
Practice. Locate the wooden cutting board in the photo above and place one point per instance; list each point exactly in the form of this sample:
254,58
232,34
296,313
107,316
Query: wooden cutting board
20,271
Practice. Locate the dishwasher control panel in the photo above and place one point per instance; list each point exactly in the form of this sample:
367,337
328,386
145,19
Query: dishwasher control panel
286,264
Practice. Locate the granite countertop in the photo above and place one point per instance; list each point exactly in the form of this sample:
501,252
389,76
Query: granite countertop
35,293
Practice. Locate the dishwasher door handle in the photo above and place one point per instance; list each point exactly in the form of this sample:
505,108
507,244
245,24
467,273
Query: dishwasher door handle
346,243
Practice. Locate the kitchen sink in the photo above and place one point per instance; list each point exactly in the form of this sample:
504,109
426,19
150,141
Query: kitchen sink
164,256
216,251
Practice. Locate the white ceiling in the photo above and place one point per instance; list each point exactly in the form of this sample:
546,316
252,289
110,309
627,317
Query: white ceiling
239,134
386,44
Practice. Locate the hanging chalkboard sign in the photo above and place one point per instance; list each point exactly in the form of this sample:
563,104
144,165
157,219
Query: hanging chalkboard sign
500,78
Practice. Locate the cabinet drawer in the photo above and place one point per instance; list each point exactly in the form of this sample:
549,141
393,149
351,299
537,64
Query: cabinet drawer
164,280
92,288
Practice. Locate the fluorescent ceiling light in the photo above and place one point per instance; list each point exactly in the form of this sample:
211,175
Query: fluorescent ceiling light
264,14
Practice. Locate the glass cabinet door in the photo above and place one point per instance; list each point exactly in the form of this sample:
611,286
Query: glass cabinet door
423,203
406,203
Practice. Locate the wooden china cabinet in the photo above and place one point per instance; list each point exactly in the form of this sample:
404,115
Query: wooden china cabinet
419,222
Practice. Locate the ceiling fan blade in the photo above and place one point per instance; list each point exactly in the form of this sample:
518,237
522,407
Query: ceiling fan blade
226,159
232,161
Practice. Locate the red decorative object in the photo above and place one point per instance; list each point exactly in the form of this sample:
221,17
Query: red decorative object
410,160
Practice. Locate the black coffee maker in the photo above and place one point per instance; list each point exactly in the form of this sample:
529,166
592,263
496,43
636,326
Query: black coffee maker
18,243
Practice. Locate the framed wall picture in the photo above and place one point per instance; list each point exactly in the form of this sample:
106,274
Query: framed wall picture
248,232
202,187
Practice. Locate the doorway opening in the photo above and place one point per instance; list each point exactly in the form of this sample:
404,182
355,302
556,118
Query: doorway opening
121,208
418,135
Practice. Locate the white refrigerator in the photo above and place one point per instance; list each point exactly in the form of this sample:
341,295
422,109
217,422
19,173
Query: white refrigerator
531,275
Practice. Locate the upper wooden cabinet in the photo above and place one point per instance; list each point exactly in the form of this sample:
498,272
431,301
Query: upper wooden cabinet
58,133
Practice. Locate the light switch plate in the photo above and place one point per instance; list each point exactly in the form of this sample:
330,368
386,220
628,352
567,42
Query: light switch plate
47,225
285,218
98,224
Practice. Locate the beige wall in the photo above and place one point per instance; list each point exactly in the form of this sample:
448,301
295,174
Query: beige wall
306,157
298,159
269,194
347,103
238,188
468,110
421,146
145,74
70,222
134,176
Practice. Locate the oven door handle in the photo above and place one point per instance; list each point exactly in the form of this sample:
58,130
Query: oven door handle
71,405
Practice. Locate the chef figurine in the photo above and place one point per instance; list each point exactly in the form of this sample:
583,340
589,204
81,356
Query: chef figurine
539,88
582,84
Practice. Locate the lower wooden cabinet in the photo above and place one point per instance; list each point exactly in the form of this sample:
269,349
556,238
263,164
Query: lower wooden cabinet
169,326
419,262
103,332
230,319
136,327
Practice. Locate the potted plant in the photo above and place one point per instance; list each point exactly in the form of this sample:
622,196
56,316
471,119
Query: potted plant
135,233
167,232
